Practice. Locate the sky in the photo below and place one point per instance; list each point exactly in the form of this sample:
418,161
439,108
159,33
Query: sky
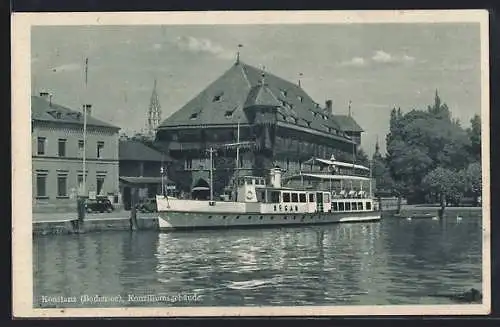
376,66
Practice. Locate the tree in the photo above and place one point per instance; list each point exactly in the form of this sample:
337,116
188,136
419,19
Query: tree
420,141
446,184
439,110
362,158
473,180
380,172
474,133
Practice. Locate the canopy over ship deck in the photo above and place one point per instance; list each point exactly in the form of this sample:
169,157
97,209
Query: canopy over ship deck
328,177
334,163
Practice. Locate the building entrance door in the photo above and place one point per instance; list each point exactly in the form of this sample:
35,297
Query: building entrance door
127,198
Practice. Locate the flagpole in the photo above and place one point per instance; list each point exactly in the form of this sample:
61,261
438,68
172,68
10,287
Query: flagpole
84,179
371,178
211,175
237,162
162,174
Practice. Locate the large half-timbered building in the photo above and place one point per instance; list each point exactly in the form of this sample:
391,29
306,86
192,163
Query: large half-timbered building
278,121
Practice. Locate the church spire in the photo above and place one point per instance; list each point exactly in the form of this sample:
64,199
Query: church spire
154,111
238,53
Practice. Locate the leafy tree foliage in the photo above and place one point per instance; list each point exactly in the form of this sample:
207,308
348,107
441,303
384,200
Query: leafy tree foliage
428,145
380,172
446,185
362,158
474,133
473,180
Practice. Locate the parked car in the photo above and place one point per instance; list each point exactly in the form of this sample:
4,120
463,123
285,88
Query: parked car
100,204
147,205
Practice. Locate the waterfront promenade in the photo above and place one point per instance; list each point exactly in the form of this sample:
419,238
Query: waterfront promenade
67,222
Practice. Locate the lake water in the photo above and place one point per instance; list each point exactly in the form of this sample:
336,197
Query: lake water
395,261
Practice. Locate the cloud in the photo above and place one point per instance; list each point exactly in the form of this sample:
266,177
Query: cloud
197,45
356,61
381,56
65,68
157,46
408,58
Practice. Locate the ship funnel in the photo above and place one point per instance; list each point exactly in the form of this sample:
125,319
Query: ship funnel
276,177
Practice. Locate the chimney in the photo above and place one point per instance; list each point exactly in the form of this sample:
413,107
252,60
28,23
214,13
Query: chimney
88,109
44,95
275,175
328,104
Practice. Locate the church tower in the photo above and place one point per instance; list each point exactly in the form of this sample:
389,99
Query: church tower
154,112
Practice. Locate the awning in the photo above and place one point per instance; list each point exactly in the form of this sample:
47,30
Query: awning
330,177
200,188
144,180
336,163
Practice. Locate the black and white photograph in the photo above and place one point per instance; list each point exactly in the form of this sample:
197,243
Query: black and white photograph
290,163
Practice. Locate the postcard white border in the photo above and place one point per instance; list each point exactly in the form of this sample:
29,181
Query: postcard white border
22,290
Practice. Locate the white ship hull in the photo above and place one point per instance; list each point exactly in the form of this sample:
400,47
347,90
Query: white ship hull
227,215
186,220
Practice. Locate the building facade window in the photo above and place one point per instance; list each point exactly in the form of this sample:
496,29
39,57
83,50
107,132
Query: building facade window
62,185
100,184
80,148
100,149
79,182
61,150
188,164
41,185
41,145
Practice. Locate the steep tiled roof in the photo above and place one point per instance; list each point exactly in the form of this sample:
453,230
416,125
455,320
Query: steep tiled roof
138,151
43,110
243,87
348,123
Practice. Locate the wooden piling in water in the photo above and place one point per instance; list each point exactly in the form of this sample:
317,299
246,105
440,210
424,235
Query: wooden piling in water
133,210
77,225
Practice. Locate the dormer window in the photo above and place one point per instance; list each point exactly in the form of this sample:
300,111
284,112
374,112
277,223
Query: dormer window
217,97
283,93
308,124
194,116
314,114
325,117
300,98
228,114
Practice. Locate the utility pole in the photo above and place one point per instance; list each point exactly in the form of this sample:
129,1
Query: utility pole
85,108
211,151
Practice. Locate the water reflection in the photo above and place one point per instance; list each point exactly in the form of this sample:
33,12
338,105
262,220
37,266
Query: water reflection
391,262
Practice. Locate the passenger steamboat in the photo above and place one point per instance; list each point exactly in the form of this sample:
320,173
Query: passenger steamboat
323,194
